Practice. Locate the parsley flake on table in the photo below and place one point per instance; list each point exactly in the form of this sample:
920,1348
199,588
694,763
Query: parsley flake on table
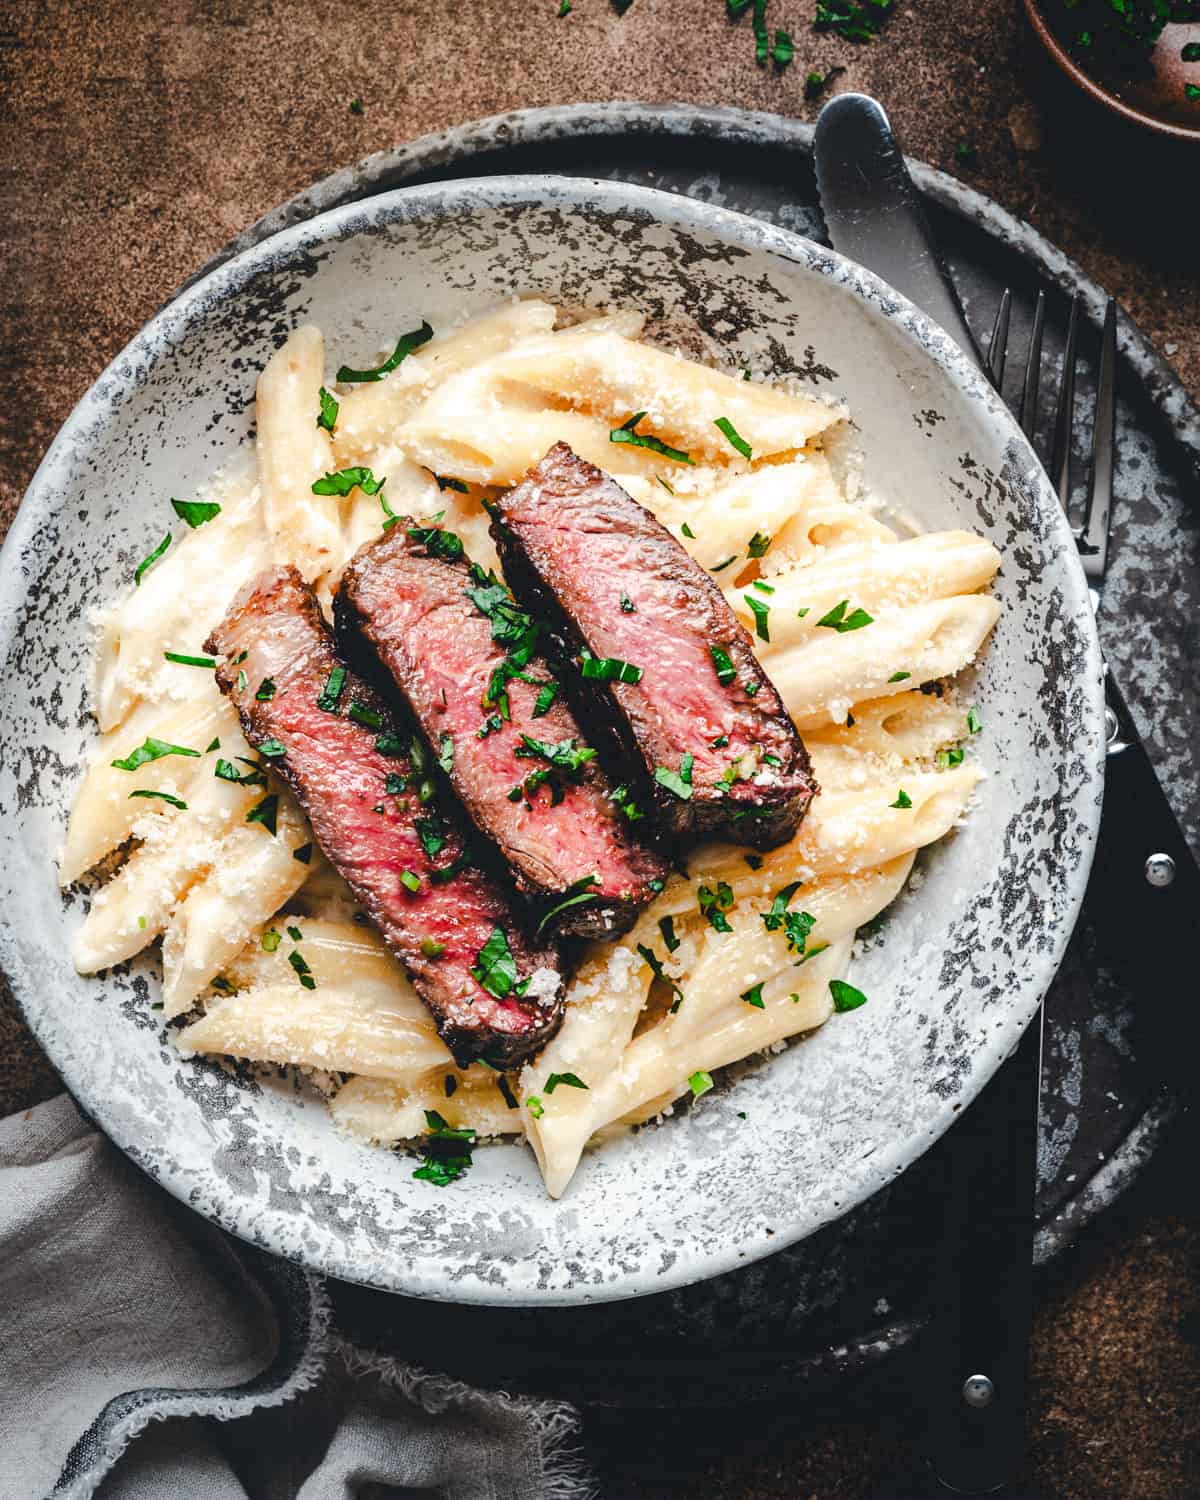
852,20
404,347
783,53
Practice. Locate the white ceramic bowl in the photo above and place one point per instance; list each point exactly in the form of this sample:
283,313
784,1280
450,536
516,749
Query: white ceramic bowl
964,960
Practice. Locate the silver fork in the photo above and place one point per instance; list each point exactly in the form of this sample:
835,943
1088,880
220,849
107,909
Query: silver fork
1091,536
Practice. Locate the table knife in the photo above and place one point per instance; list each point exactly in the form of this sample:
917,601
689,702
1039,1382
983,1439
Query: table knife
976,1366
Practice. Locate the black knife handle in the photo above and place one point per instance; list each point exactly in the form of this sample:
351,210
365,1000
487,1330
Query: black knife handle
983,1285
1144,895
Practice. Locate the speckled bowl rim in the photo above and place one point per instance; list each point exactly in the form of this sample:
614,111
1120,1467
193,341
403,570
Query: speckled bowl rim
756,235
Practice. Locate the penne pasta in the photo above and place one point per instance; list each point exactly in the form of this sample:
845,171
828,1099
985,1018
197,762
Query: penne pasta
270,956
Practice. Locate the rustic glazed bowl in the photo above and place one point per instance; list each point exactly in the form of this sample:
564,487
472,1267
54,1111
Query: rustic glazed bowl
1156,99
783,1145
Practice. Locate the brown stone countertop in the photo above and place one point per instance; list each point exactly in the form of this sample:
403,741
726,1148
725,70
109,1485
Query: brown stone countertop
135,140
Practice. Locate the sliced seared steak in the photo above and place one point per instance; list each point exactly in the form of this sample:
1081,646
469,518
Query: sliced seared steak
466,660
662,658
360,777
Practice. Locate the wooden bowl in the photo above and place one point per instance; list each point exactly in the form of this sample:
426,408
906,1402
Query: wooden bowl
1155,100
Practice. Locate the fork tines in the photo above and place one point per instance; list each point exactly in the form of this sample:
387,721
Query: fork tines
1092,534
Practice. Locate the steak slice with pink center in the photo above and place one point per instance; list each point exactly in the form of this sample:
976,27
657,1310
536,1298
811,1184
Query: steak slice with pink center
467,662
664,664
492,992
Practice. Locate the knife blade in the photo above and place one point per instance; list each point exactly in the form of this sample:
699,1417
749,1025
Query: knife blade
975,1369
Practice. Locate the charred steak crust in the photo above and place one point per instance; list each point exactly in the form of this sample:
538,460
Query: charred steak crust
706,729
500,726
352,765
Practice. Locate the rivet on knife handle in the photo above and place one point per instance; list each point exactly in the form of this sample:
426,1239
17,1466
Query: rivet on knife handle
874,213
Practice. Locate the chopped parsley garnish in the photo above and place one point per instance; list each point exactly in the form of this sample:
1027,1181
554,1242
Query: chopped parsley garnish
266,690
563,756
447,1152
431,948
342,481
761,613
656,885
506,1092
1191,52
974,721
733,437
719,743
800,613
394,784
303,972
753,860
576,894
303,854
242,682
272,749
714,904
444,482
945,759
622,798
845,996
760,544
608,668
628,607
295,934
148,562
688,532
726,671
570,1080
721,566
700,1083
796,924
751,688
438,543
265,812
356,107
656,968
432,832
753,996
773,919
763,588
660,480
410,880
495,967
533,1104
903,800
271,940
837,618
151,749
332,691
899,676
190,661
546,696
446,753
388,744
404,347
327,416
162,797
666,925
679,782
225,770
195,512
369,718
626,434
213,744
450,1084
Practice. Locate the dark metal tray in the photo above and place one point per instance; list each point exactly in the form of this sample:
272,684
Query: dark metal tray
844,1298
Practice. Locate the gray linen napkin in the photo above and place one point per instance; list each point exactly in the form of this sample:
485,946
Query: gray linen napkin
124,1316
